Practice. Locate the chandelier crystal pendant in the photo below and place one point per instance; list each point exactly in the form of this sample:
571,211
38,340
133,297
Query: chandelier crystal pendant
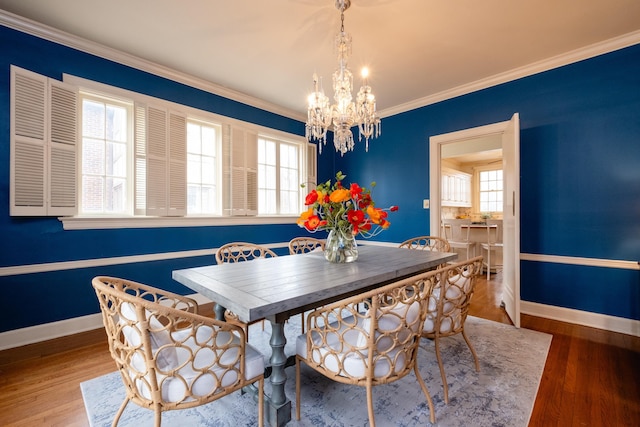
344,113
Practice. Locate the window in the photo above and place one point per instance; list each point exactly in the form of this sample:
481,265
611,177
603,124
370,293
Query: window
490,190
106,149
143,157
279,172
203,141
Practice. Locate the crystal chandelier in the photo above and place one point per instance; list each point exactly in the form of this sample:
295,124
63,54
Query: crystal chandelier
344,114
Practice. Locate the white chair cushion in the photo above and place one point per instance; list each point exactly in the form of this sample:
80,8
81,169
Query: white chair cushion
169,358
159,337
390,321
450,314
352,351
201,374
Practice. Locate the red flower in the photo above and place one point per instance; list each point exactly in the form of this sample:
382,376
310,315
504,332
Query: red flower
355,217
393,208
314,222
364,201
356,191
311,198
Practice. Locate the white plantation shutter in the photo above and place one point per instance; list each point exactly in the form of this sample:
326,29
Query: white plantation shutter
251,168
156,203
140,158
240,171
177,165
63,149
160,161
43,145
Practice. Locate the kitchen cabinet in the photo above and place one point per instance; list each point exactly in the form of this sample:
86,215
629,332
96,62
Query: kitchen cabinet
456,188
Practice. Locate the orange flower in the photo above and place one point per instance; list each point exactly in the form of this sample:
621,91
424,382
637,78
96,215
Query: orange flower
314,222
304,216
340,195
377,215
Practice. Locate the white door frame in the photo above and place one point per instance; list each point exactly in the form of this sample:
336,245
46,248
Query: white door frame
435,185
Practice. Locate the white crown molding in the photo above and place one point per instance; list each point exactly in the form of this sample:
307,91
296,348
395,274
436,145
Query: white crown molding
557,61
37,29
49,33
584,318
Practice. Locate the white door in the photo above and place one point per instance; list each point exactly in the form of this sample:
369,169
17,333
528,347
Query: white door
511,219
509,132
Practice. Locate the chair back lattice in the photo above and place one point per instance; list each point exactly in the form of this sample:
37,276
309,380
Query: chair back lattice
449,303
429,243
170,357
302,245
369,339
242,251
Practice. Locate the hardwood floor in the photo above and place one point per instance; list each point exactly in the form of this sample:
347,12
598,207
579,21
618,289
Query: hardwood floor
591,377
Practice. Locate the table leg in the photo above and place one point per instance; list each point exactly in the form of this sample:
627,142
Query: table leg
278,406
219,311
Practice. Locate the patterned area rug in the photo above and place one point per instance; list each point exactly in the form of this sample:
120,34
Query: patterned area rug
501,394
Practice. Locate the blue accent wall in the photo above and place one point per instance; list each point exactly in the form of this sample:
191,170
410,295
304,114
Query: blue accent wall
580,174
580,183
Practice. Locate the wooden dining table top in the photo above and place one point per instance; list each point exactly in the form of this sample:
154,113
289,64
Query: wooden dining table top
276,288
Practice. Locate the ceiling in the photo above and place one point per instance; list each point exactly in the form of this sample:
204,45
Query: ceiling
415,49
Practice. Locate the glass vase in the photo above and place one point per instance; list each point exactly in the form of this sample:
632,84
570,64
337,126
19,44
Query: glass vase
340,247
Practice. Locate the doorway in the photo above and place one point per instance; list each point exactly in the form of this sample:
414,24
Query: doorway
508,133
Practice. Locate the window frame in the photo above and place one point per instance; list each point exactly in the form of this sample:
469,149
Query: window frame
279,143
476,171
85,221
130,177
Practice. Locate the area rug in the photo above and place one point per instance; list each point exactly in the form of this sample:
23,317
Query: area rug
501,394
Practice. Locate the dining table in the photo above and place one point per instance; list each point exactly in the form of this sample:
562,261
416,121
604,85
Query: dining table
280,287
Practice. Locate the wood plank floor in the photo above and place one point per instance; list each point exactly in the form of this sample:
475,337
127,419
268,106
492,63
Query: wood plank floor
591,378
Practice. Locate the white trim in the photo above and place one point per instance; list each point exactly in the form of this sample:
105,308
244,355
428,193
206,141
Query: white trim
48,331
591,262
101,262
557,61
585,318
94,223
52,34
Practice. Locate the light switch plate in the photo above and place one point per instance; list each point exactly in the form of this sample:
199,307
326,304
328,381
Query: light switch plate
425,204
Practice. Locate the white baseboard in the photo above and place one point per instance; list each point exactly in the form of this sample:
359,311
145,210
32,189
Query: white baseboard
585,318
47,331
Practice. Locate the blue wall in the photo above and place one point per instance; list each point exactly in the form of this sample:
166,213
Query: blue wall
580,174
580,183
32,299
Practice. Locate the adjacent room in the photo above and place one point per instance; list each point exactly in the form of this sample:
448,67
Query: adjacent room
319,212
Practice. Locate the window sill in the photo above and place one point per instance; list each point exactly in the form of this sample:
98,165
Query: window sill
95,223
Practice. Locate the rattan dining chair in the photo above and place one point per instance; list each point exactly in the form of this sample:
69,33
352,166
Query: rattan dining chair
238,252
302,245
170,357
449,306
428,243
376,344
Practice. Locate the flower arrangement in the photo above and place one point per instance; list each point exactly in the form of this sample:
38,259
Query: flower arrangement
350,211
